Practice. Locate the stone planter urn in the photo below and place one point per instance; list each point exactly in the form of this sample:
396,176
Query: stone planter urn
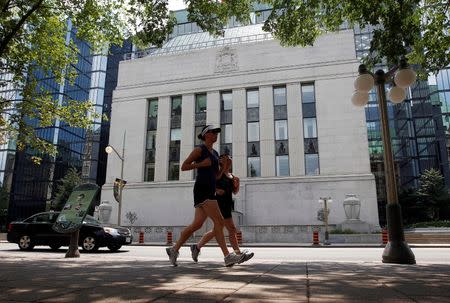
104,211
352,207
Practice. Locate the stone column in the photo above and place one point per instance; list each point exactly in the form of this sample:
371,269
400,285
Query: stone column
187,132
213,113
239,133
162,140
266,131
295,130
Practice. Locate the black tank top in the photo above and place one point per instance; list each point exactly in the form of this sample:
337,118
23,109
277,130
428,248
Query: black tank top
226,184
207,175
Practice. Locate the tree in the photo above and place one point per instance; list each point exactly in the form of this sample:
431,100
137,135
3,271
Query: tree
32,38
412,28
33,41
65,188
433,194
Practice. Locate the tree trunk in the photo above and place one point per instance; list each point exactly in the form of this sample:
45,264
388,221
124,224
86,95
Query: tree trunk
73,251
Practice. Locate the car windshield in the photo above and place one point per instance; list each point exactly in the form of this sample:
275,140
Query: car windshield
91,220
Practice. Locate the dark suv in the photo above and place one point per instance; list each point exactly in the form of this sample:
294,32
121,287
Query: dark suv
37,230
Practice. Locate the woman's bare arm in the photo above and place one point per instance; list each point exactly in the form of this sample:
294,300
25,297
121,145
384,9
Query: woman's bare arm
189,163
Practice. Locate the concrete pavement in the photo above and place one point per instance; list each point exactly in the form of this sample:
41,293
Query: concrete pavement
143,274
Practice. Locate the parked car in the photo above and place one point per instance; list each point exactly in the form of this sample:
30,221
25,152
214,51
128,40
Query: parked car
37,230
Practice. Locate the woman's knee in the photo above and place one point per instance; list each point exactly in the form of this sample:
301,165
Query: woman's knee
218,222
196,226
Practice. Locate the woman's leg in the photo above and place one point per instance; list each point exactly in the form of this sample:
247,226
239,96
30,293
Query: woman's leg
205,239
212,210
199,219
229,224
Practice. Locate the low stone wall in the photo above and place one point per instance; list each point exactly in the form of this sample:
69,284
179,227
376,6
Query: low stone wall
292,234
355,238
430,235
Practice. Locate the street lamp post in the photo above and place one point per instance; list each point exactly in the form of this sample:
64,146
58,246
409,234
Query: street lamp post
396,250
325,202
109,149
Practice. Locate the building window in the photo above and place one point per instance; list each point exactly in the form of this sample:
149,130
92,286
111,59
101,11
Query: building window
200,103
254,167
227,133
279,96
312,164
150,148
226,120
308,95
282,165
253,148
252,98
175,139
310,138
281,131
309,128
198,130
227,98
253,131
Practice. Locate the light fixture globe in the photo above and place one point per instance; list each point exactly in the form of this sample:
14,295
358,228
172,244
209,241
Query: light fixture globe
397,94
364,82
108,149
405,77
360,98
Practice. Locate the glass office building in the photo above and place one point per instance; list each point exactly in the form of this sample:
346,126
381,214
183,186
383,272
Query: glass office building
417,129
33,186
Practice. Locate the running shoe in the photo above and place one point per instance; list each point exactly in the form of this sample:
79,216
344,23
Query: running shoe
232,259
173,255
195,252
247,256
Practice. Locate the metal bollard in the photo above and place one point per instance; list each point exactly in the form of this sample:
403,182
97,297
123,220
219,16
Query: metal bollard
384,236
315,237
169,237
239,237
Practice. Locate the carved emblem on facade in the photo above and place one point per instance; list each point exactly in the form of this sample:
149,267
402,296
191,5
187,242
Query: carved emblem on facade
226,60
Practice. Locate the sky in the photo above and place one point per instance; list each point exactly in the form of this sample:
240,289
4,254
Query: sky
176,5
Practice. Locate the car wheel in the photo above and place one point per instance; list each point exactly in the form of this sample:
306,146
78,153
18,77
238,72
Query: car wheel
114,248
25,243
89,244
55,246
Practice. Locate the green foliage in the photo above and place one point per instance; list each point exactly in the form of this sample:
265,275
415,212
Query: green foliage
402,28
32,38
434,194
343,231
431,201
65,188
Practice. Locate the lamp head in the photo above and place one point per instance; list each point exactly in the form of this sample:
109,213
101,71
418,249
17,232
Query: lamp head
108,149
365,81
360,98
397,94
404,76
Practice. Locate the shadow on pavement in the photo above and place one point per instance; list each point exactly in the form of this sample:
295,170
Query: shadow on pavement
116,280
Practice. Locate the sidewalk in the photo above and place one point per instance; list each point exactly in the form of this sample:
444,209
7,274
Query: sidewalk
106,277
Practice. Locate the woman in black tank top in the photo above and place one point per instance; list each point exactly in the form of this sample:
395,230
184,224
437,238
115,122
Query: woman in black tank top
205,159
